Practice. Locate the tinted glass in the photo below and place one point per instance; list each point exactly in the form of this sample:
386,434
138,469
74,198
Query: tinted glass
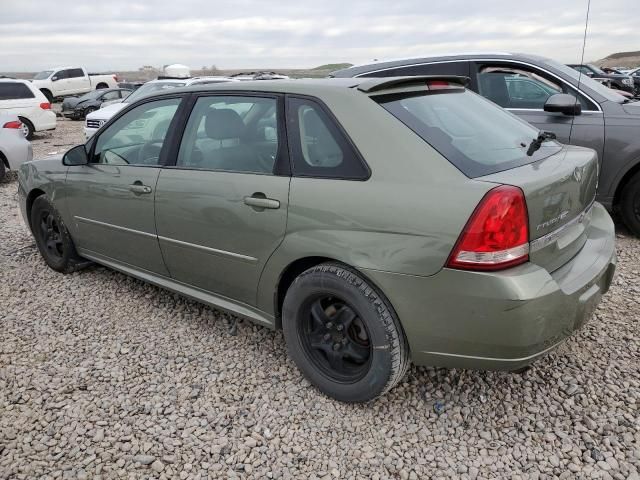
75,73
585,81
137,137
472,133
516,87
14,91
230,133
318,147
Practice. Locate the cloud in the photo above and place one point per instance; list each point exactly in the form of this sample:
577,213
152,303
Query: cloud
123,35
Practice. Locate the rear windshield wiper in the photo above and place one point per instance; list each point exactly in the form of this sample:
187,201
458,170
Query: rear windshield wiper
536,143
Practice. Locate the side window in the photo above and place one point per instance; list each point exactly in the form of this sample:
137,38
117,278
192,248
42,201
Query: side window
111,96
14,91
75,73
231,133
61,75
318,147
512,87
137,137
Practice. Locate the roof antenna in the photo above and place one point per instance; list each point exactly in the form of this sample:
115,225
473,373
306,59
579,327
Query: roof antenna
584,44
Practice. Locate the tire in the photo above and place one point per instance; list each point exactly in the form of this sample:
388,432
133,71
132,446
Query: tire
630,204
86,112
3,168
343,334
47,94
100,86
53,239
27,128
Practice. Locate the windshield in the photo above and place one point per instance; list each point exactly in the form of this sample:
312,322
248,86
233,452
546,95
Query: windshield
587,81
43,75
152,87
596,69
471,132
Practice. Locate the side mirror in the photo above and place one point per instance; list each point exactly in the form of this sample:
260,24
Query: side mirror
590,74
76,156
563,103
54,79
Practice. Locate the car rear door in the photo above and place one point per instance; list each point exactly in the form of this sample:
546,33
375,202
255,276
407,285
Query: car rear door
221,209
111,200
503,82
78,81
16,98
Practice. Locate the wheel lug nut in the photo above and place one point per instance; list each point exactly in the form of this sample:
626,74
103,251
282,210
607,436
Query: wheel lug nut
336,346
340,327
329,325
327,336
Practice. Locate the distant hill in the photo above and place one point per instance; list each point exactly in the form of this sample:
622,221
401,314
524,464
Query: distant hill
620,59
333,66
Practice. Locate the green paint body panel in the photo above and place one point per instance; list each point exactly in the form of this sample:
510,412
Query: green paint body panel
194,234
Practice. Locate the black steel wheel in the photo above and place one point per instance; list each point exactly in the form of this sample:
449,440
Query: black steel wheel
52,237
335,338
343,334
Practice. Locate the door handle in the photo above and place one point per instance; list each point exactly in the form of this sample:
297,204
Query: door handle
139,188
260,201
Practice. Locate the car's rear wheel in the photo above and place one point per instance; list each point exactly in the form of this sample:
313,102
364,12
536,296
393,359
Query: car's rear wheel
3,169
343,334
27,128
52,237
630,204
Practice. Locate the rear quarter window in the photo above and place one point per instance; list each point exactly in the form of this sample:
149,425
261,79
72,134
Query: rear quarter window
475,135
14,91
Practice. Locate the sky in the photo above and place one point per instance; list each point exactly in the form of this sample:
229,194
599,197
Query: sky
126,34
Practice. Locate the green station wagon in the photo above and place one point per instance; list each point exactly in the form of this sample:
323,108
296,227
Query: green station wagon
378,221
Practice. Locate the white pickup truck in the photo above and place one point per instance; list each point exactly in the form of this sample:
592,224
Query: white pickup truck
64,81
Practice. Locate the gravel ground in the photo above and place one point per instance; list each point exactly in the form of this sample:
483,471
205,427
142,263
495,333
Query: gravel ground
103,376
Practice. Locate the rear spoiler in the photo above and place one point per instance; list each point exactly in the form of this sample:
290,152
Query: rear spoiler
385,83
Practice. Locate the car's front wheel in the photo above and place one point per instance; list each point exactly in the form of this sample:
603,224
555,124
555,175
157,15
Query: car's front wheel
630,204
52,237
343,334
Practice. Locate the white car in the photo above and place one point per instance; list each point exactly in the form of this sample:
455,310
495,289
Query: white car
14,148
98,118
21,98
64,81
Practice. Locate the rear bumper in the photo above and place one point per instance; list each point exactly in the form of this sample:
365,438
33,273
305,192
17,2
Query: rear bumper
501,320
17,150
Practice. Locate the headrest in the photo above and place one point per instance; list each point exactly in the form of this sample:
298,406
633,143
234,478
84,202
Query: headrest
223,123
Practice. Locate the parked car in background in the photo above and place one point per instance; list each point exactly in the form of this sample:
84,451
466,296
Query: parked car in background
77,108
601,119
259,76
14,148
619,81
130,85
635,74
98,118
396,220
21,98
65,81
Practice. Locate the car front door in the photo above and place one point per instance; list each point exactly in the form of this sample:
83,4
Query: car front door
111,200
523,90
78,81
60,81
221,210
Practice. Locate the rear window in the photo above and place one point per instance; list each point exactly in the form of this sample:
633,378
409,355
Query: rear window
474,134
14,91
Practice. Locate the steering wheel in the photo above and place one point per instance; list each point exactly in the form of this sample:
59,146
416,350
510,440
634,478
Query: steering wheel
149,153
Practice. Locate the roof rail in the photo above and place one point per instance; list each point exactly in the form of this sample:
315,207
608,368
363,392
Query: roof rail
374,84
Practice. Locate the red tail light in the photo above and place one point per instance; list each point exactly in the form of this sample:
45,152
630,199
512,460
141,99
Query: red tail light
15,124
443,85
497,234
45,106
